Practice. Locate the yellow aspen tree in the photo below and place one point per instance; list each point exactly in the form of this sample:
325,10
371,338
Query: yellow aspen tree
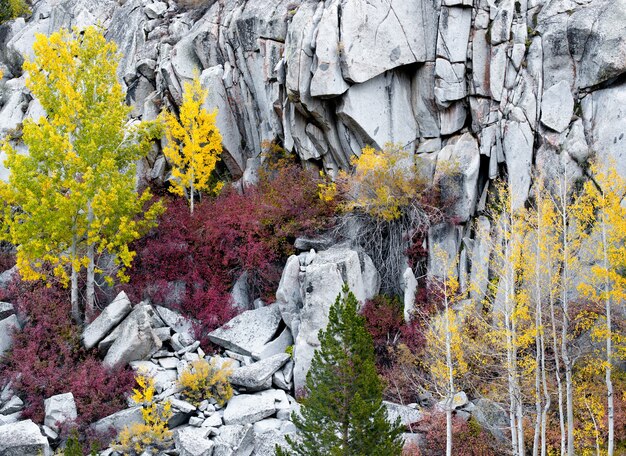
540,270
73,194
194,144
445,351
508,328
571,228
601,206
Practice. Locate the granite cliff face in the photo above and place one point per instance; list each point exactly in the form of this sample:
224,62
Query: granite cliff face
495,86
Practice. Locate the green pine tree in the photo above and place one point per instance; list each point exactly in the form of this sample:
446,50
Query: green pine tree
342,413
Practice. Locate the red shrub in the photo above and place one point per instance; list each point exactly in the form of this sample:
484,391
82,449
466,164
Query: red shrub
226,236
48,359
468,438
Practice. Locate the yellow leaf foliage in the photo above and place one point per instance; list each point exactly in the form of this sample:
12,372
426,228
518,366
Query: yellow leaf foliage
76,187
382,185
153,435
206,379
194,144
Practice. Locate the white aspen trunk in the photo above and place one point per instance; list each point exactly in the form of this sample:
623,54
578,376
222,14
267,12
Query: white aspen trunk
512,400
74,282
450,376
538,408
191,194
609,345
90,299
518,395
567,363
557,373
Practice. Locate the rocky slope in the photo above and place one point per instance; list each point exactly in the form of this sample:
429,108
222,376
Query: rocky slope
492,86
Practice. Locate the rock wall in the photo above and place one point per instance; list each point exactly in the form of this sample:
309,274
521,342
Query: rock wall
495,86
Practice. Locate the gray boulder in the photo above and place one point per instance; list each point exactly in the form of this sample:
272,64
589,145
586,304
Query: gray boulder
258,376
176,321
492,417
118,421
323,284
193,441
7,276
456,175
234,440
6,310
278,345
407,415
110,317
13,405
59,408
7,327
136,342
557,107
250,408
288,296
248,332
23,439
379,35
597,41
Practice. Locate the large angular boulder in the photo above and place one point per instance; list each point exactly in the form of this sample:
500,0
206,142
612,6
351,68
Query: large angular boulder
250,408
176,321
7,327
596,36
491,416
110,317
557,107
6,276
23,439
59,408
323,281
457,175
288,295
248,332
258,376
193,441
323,284
378,35
380,109
137,341
140,312
234,440
407,415
604,114
118,421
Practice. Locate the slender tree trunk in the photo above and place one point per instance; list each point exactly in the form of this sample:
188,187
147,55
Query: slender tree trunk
191,192
538,329
76,316
90,300
557,373
538,408
609,344
450,377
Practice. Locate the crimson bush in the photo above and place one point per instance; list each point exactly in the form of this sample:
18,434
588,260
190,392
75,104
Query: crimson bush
200,256
468,438
47,358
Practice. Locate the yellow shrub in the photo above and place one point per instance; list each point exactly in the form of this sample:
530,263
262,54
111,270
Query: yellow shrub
383,183
153,435
203,380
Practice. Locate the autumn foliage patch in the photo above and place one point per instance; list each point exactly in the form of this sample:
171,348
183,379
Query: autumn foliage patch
48,358
192,261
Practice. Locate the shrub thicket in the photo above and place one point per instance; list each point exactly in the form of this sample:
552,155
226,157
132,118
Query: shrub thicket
206,252
47,358
205,380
